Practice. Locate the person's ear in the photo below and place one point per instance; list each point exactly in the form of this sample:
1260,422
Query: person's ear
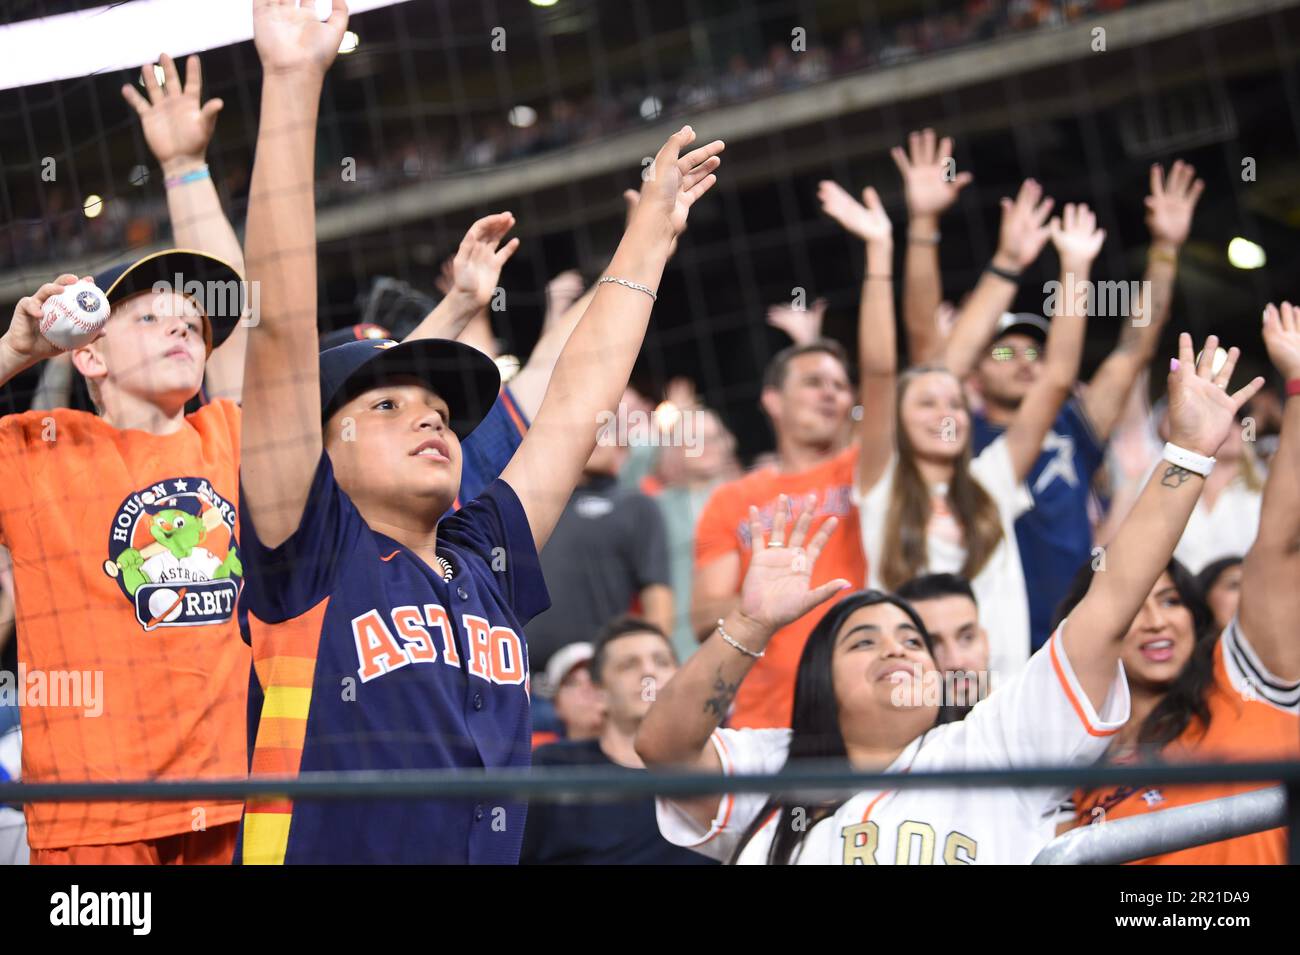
770,400
90,362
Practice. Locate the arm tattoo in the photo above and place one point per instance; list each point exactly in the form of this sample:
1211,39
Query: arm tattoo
723,694
1175,476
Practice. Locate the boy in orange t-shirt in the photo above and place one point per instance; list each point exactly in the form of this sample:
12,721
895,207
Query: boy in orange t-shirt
808,397
122,529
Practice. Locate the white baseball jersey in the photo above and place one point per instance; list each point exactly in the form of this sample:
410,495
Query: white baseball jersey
164,568
1041,717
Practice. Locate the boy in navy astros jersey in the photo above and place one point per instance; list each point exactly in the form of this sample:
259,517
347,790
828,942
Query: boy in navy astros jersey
381,638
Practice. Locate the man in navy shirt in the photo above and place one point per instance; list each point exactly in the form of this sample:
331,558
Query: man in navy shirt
383,636
632,659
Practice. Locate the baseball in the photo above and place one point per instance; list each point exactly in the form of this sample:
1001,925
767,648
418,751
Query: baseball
74,317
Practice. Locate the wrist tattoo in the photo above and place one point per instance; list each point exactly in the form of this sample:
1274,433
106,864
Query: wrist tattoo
1175,476
723,694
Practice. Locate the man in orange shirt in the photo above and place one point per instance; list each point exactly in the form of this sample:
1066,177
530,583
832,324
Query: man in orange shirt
808,397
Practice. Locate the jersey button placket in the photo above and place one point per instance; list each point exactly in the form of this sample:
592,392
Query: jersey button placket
478,700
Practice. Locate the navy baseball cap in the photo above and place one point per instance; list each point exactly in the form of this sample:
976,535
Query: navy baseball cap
213,283
462,376
1022,323
364,331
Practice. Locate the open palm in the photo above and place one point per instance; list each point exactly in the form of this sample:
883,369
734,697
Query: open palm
675,181
1282,339
177,124
866,219
1201,412
290,39
775,590
476,269
925,168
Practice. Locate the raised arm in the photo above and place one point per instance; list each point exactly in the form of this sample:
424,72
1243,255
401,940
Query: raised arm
1270,597
597,360
475,273
694,702
1077,240
877,345
177,127
281,442
1200,416
930,184
1021,238
1169,218
566,302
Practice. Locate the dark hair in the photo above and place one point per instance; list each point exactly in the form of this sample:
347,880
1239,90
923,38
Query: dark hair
905,552
934,586
619,627
1211,572
1184,700
774,374
815,725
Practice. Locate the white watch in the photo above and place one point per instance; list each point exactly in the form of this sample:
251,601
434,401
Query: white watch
1188,460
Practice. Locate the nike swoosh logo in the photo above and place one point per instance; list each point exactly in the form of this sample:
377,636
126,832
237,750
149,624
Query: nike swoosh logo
390,556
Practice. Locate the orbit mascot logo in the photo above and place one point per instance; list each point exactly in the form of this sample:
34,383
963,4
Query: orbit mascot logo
172,551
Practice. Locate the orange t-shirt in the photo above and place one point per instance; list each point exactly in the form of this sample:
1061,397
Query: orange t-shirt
126,577
766,697
1254,716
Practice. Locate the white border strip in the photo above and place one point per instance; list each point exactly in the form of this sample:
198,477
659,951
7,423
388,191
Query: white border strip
127,36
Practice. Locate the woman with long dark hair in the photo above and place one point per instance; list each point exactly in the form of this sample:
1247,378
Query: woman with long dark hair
865,690
927,504
1201,691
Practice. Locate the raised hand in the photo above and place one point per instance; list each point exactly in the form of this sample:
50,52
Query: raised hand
23,340
1172,202
1024,230
1282,339
1076,237
924,168
562,291
675,182
867,219
177,124
775,589
1201,412
803,325
476,267
291,40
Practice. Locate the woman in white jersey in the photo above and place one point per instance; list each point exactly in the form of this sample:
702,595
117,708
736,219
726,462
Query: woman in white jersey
862,691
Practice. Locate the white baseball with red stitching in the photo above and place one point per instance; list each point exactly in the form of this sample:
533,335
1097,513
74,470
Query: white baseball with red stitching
74,317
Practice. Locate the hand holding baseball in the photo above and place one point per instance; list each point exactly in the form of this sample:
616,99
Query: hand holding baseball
24,341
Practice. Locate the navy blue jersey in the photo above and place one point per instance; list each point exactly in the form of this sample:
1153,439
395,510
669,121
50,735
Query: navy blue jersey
365,658
1055,538
487,450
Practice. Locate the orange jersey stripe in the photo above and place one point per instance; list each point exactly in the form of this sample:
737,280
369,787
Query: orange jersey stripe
1069,693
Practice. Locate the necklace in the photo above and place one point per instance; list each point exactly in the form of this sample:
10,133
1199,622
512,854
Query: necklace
445,564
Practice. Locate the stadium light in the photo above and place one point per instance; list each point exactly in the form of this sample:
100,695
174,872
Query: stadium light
651,107
350,42
543,3
93,206
1244,254
124,35
522,117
